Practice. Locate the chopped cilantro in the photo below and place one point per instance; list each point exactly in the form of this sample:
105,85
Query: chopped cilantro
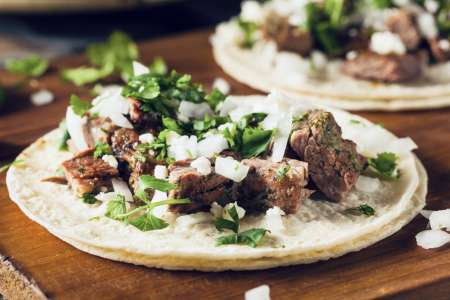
384,166
172,124
214,98
356,122
282,172
33,66
89,198
255,141
79,107
65,136
84,75
14,163
116,208
251,237
363,209
102,149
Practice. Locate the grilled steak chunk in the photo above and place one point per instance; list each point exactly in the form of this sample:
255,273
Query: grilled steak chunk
288,37
387,68
124,145
439,54
403,24
270,184
101,129
141,119
334,164
201,190
86,174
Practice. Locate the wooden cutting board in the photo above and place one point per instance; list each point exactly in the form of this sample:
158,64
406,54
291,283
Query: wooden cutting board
47,267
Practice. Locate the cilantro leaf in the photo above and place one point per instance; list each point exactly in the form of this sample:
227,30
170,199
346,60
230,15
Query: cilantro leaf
65,136
384,166
116,208
144,87
79,107
363,209
222,224
84,75
148,222
172,124
158,66
102,149
14,163
215,98
89,198
33,66
255,141
251,237
151,182
282,172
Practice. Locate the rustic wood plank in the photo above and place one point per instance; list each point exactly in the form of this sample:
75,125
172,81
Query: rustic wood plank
394,268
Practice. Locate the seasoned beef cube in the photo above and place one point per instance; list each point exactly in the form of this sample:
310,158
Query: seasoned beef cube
86,174
270,184
145,120
101,129
386,68
334,164
403,24
200,189
440,54
124,144
288,37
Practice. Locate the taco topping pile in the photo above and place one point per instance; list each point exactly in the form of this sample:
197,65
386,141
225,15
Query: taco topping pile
162,144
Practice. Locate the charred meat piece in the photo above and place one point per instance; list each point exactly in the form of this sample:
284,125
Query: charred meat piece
101,129
141,119
334,164
200,189
270,184
288,37
386,68
124,145
440,53
86,174
403,24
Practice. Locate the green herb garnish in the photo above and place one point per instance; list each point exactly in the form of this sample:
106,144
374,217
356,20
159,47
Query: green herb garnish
251,237
65,136
158,66
116,208
102,149
384,166
80,107
84,75
89,198
150,182
363,209
249,29
282,172
33,66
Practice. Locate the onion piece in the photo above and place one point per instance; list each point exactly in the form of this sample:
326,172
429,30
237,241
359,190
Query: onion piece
440,219
222,85
261,292
202,165
426,213
110,160
42,97
367,184
240,211
110,103
231,168
212,145
430,239
76,128
139,69
194,110
121,187
274,220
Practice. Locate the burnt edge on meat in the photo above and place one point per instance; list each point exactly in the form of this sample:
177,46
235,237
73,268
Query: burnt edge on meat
334,163
86,174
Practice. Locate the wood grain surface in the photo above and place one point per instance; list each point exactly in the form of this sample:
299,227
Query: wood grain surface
394,268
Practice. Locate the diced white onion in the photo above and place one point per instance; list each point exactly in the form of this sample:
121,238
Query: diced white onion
351,55
427,26
76,128
212,145
42,97
319,61
274,220
222,85
105,197
139,69
121,187
110,103
259,293
202,165
160,172
146,138
216,210
194,110
283,125
111,160
444,45
426,213
231,168
252,11
183,147
240,211
430,239
440,219
432,6
367,184
387,43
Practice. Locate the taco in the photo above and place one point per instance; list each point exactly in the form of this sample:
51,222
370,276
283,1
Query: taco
162,174
355,55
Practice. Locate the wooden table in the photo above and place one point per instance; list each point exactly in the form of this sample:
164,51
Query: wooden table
394,268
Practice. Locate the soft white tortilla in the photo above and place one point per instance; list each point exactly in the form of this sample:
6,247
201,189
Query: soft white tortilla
319,231
256,68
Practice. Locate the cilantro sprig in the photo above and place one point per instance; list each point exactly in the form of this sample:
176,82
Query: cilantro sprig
384,166
363,209
33,66
252,237
102,149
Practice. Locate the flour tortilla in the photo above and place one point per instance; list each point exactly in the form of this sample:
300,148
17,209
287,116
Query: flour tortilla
256,68
319,231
